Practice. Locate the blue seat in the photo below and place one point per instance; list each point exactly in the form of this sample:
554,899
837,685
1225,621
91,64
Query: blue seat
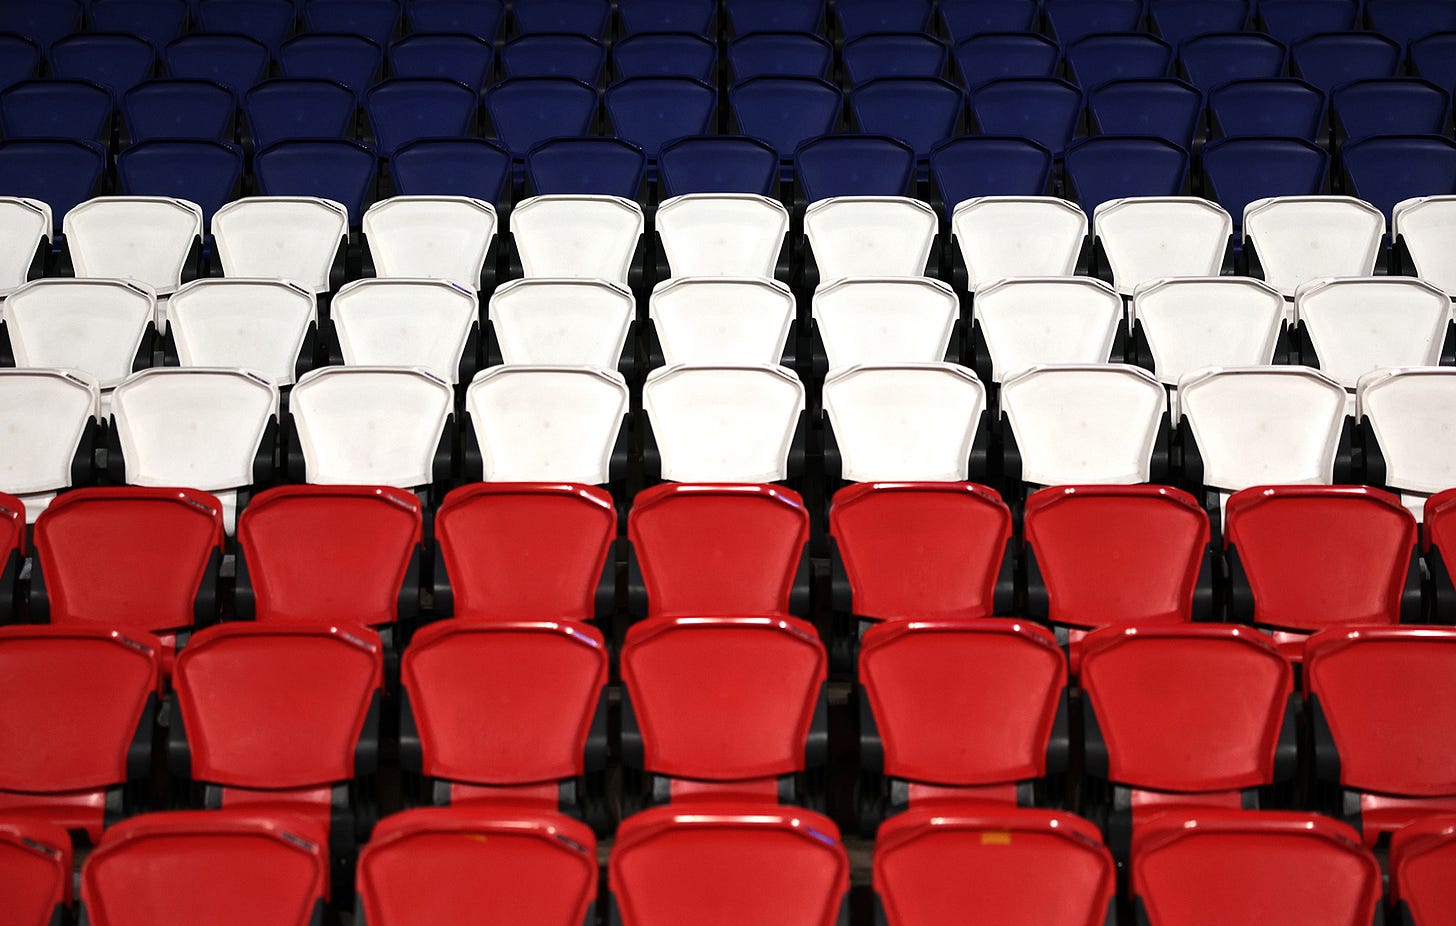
1237,171
41,21
1277,107
196,110
526,111
582,17
1177,21
1292,21
1211,61
1398,106
1097,59
897,54
157,21
1409,21
234,61
59,173
649,112
696,16
1043,110
474,167
1107,167
578,57
268,21
19,59
1385,171
667,54
376,20
292,108
994,55
464,59
745,16
1168,109
963,19
854,165
779,54
480,18
988,165
717,164
586,166
204,172
406,109
1074,20
1331,61
920,111
116,62
73,109
863,17
785,111
1434,58
339,170
350,60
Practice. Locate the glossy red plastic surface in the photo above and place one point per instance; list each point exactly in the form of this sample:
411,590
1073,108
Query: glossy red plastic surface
12,527
1422,865
1438,524
35,872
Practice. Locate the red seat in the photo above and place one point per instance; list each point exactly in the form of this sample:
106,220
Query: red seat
719,549
1303,558
525,551
723,706
963,709
727,864
1438,540
1183,717
223,868
920,551
1231,866
331,553
12,552
464,864
1382,703
35,873
510,711
1422,859
1012,866
80,703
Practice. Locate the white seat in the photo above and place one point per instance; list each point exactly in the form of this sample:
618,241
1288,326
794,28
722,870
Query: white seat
566,322
1303,238
406,323
728,320
142,238
1154,237
45,416
877,320
722,234
577,236
1263,425
370,425
1018,236
877,236
1040,321
257,325
1427,225
1412,414
25,228
293,238
431,237
723,423
1091,424
198,428
1358,325
1196,322
94,326
547,423
904,422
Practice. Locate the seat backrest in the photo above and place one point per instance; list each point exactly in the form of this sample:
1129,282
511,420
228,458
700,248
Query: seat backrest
1071,20
255,325
565,322
43,21
176,109
1018,236
995,55
746,16
35,870
1098,59
1427,166
478,18
722,423
584,17
922,111
586,167
894,54
1336,57
203,172
1360,325
1293,20
554,55
1155,107
716,164
56,108
473,167
1210,61
1304,238
1241,172
725,320
779,54
547,423
577,236
406,109
1147,239
785,111
1276,107
142,238
904,422
283,238
525,111
1420,856
157,21
232,59
870,236
1104,168
59,173
268,22
375,20
1431,59
289,108
667,54
1404,409
722,234
1198,322
1044,110
25,235
877,320
1028,321
337,170
854,165
975,166
47,416
651,111
423,323
115,61
351,60
96,327
1423,226
858,18
964,18
1395,106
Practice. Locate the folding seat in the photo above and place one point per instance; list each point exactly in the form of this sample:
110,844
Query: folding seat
351,60
56,173
1178,21
996,858
286,109
562,322
370,426
1296,239
1183,325
406,109
881,236
547,424
717,164
1210,61
974,166
1253,866
1097,59
1431,58
152,240
25,241
685,16
668,54
1240,172
266,866
427,324
196,110
156,21
854,165
462,59
1379,699
336,170
268,327
1167,109
1022,322
895,54
478,18
1399,106
746,16
996,55
1291,21
785,112
580,17
720,320
266,21
1436,540
236,62
525,111
919,111
1145,239
35,871
649,112
473,167
511,549
1355,325
112,61
1408,22
1402,414
1104,168
1072,20
42,21
53,419
962,19
728,863
1421,229
1041,110
433,237
295,238
1388,170
19,59
884,320
542,866
722,234
1331,61
56,109
330,553
779,54
12,553
101,328
376,20
560,55
1420,857
1075,424
858,18
1267,107
596,237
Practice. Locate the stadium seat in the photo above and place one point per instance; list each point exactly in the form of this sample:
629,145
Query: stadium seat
57,109
586,167
350,60
267,327
268,22
703,321
478,18
547,424
1420,856
890,236
854,165
1293,20
295,238
1023,322
1073,20
114,62
84,698
156,21
779,54
1273,107
894,54
1296,239
1183,325
1210,61
746,16
581,17
685,16
434,238
155,241
920,111
717,164
1436,543
1104,168
1407,22
203,172
35,871
291,108
1097,59
1240,172
510,549
236,62
375,20
431,325
1431,58
339,171
562,322
973,166
1400,106
406,109
785,112
1378,701
1178,21
1017,236
1043,110
722,234
1400,413
541,866
1166,109
997,55
12,554
474,167
965,18
670,54
20,59
269,865
858,18
25,241
1141,240
1385,171
1332,60
596,237
1419,227
44,21
1355,325
885,320
194,110
555,55
102,328
53,419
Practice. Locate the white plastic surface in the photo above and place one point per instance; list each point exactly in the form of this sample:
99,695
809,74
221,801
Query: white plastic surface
722,423
1413,414
431,237
722,234
405,323
727,320
567,322
879,320
904,422
92,326
1042,321
877,236
1018,236
24,224
281,238
141,238
43,414
577,236
1154,237
1303,238
1197,322
1428,225
547,423
1359,325
256,325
